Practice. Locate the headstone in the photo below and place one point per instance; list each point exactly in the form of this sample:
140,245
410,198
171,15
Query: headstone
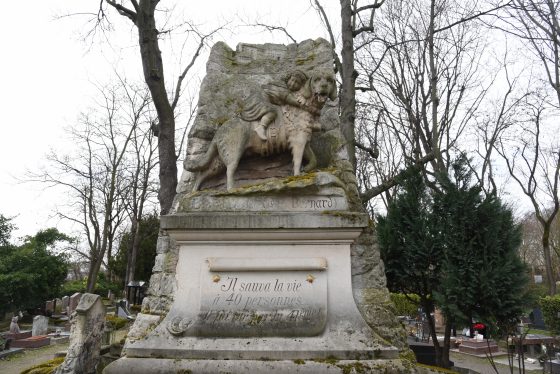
123,310
85,336
65,302
40,325
256,273
537,319
49,307
73,302
57,305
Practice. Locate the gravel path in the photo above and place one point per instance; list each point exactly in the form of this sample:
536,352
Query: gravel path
30,357
482,366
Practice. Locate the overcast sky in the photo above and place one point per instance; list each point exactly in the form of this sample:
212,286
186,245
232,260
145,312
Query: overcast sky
48,70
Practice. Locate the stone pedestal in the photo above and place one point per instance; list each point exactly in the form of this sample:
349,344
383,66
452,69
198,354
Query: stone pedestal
253,287
478,348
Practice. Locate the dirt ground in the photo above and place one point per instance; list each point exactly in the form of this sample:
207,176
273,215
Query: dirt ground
16,364
482,366
30,357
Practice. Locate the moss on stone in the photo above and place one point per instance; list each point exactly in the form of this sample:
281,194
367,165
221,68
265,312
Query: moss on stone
303,60
46,367
219,121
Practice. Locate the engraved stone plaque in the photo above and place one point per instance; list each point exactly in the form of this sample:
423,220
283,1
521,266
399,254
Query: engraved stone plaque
262,297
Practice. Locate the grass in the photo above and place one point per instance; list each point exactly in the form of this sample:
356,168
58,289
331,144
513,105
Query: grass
540,332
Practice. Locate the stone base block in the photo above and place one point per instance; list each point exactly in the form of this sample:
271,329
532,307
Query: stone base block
33,342
475,347
60,339
19,335
161,366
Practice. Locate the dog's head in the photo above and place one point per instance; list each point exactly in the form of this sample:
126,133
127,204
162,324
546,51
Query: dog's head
320,86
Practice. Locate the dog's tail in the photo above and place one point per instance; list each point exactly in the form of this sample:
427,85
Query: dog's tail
204,161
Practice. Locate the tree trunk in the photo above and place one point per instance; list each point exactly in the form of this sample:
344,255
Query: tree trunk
429,310
93,271
130,255
133,254
446,344
349,75
548,259
153,75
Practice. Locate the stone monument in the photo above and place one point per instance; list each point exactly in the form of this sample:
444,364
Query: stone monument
14,327
40,326
268,262
86,332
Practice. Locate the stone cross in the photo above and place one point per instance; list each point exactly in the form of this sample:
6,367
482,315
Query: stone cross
40,325
85,336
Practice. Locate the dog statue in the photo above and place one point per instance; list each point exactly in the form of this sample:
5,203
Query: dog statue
290,129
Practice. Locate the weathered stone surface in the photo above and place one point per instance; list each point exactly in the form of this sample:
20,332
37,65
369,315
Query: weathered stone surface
163,366
14,327
85,336
143,324
40,325
232,79
65,302
73,302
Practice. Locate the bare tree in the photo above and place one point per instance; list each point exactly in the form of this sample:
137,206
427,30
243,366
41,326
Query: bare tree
142,13
532,157
141,186
94,176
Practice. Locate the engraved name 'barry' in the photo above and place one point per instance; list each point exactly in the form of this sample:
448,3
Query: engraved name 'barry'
327,203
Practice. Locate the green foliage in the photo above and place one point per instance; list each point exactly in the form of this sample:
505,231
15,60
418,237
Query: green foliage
47,367
117,322
405,305
406,239
6,228
454,247
535,292
71,287
31,273
149,230
482,275
102,286
550,306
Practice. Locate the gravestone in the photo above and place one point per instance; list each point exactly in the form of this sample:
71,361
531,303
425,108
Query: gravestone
49,307
85,336
40,325
73,302
57,305
123,310
266,266
65,303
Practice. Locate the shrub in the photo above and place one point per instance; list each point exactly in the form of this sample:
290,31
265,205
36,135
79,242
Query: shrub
117,322
550,306
405,305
